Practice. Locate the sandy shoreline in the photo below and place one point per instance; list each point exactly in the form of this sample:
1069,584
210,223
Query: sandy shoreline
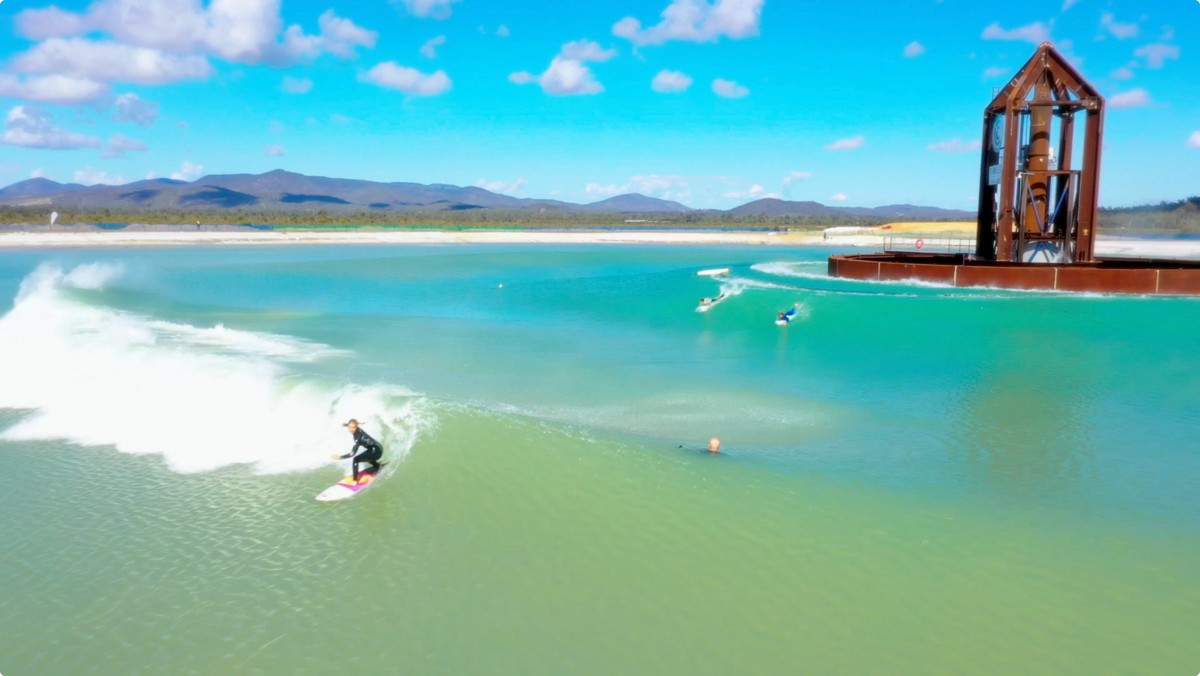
273,237
1119,246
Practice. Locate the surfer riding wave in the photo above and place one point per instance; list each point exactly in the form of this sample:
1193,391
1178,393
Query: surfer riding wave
372,450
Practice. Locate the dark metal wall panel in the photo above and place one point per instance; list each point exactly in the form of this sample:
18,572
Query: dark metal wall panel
938,274
1143,276
1007,276
1179,282
1107,280
854,268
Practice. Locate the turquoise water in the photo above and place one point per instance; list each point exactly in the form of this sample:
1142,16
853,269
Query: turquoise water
914,478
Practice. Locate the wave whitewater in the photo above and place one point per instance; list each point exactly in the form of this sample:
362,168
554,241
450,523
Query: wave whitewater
201,397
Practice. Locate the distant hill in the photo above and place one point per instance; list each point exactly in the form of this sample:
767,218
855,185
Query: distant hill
287,192
776,207
636,204
37,187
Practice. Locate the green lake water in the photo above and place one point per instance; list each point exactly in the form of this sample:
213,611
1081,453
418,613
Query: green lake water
914,479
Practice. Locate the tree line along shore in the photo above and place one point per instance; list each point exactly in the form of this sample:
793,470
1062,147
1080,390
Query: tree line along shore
1180,217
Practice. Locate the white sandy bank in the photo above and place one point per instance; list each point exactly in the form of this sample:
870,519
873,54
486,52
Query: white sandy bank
1125,247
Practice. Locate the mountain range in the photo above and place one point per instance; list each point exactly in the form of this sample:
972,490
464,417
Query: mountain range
286,191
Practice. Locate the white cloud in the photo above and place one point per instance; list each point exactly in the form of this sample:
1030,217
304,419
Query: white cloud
755,192
408,80
567,75
1065,47
436,9
1133,98
52,22
1157,54
429,49
503,31
696,21
342,37
38,173
110,61
586,50
669,81
840,197
847,143
729,89
89,176
243,31
136,110
1122,73
1036,33
188,172
994,72
914,48
119,144
796,176
52,89
1068,4
296,85
658,183
338,118
1194,140
955,145
33,127
177,25
664,186
274,151
502,187
598,190
1120,31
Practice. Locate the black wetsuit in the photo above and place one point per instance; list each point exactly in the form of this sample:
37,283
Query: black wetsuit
372,451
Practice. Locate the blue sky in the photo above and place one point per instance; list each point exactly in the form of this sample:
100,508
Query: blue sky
709,102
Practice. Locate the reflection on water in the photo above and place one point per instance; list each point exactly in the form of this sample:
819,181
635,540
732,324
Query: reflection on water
1026,427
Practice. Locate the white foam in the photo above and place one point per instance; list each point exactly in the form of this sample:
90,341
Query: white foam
791,268
796,270
203,398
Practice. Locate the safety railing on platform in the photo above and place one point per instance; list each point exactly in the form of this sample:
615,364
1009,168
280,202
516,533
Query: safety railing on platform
912,243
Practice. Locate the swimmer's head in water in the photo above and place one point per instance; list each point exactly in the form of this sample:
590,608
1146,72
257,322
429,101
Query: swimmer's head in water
714,445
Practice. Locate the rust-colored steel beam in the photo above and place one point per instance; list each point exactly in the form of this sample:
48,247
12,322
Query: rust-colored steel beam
1056,212
1089,188
1017,176
985,224
1037,161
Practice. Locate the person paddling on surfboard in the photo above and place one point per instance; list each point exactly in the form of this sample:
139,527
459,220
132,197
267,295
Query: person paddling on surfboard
372,450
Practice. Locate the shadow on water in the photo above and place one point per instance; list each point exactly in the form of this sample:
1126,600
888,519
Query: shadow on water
1023,425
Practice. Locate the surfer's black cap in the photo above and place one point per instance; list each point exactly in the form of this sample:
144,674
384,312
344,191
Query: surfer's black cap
347,423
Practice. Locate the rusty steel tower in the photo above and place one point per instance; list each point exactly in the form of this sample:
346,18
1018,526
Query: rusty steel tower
1035,206
1039,179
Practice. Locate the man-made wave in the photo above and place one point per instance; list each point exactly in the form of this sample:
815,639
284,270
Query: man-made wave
201,397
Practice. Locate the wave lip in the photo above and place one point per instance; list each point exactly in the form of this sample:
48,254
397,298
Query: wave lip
202,398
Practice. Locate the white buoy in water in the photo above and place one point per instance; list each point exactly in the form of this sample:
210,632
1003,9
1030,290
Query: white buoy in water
500,287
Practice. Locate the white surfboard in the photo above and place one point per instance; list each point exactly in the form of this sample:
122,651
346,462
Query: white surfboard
348,487
713,272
